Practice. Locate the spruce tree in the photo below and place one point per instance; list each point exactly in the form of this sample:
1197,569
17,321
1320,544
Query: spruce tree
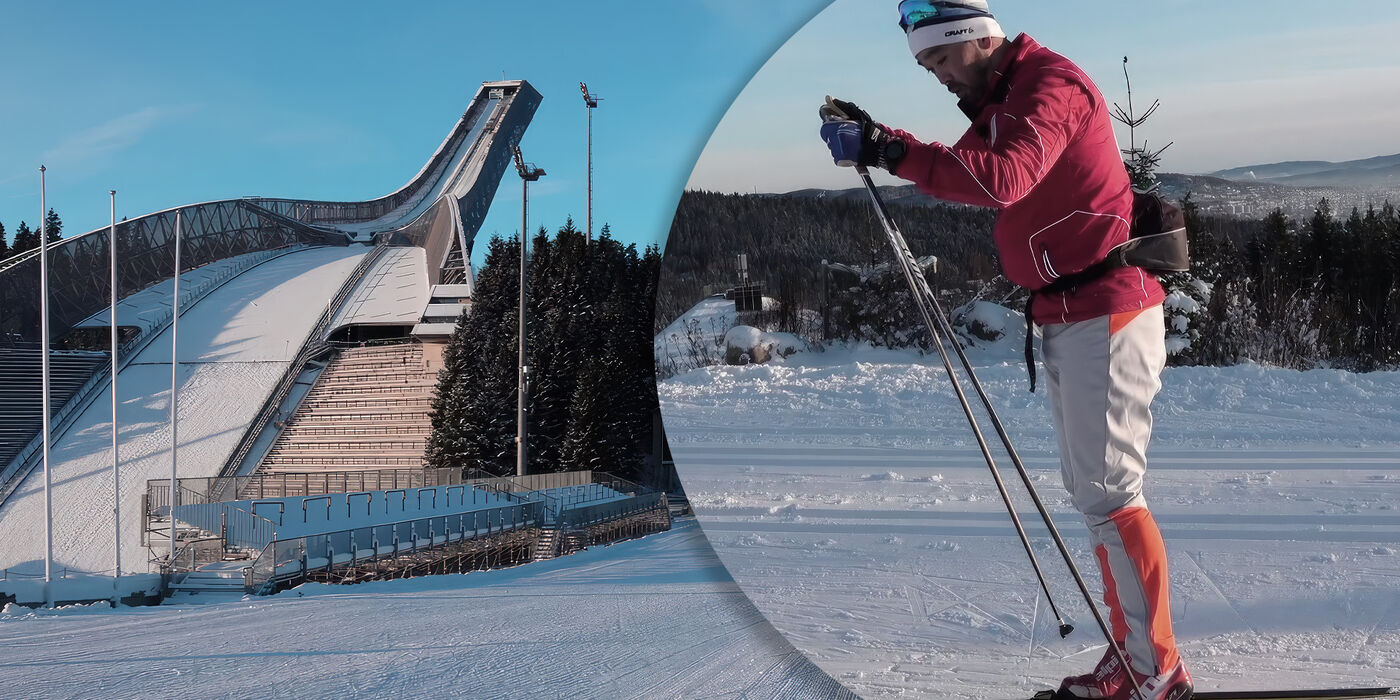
585,444
560,324
1187,294
54,226
592,396
474,409
25,239
4,244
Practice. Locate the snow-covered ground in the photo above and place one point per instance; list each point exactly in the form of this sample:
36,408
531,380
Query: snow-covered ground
234,346
844,492
651,618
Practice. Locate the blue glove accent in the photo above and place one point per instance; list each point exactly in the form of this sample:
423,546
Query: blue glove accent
844,140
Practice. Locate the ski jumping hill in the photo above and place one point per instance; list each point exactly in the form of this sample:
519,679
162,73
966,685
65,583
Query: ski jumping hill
269,289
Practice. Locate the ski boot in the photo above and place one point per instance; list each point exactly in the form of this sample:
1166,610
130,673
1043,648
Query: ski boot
1109,681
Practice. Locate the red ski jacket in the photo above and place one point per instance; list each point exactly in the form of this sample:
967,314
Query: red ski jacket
1041,149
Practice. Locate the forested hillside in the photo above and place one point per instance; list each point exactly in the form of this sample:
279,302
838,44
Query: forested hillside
1276,290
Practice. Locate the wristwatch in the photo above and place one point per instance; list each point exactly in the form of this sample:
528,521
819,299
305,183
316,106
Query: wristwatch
892,153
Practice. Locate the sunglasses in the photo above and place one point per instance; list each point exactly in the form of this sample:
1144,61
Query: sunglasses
915,12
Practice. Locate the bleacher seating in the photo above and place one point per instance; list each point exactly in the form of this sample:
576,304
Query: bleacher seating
21,391
368,410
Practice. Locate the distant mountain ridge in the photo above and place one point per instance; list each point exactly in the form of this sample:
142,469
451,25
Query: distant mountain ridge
1374,172
1214,194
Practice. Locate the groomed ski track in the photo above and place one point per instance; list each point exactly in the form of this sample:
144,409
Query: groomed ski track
843,493
234,345
656,617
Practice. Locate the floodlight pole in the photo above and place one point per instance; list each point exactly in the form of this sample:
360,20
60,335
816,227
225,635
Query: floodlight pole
116,477
591,103
174,368
528,173
44,381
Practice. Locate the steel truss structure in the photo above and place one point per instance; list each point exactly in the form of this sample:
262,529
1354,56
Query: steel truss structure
440,210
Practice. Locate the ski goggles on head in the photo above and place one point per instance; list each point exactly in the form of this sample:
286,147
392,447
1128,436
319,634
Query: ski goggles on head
914,13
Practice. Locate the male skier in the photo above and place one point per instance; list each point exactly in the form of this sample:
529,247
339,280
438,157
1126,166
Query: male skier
1041,149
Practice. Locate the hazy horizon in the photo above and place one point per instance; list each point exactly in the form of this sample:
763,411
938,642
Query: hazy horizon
897,181
1250,86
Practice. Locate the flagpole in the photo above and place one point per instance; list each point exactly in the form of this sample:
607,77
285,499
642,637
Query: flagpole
116,478
44,373
174,365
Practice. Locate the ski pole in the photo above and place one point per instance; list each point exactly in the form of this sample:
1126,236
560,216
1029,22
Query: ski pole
917,285
924,298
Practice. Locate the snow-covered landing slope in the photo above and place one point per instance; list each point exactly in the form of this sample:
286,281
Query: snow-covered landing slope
651,618
844,493
234,346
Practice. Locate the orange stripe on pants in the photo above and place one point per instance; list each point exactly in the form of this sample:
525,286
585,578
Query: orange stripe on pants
1139,580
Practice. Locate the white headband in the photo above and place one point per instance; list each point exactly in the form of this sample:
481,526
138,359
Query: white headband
923,38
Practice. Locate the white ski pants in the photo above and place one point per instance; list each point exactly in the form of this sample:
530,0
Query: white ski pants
1102,375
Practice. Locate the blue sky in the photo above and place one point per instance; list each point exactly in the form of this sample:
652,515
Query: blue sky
174,103
1241,82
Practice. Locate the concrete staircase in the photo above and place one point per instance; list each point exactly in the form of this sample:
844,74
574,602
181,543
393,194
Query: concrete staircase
370,409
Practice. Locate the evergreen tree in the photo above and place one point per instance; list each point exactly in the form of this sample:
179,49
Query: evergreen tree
559,336
474,408
1187,294
54,226
586,442
1320,246
4,244
592,396
25,239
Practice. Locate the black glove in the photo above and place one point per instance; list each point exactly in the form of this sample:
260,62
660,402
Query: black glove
877,146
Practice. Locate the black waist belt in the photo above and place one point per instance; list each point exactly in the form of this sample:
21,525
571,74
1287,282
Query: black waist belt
1065,283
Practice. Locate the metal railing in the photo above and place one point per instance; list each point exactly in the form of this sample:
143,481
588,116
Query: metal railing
294,557
620,484
587,493
578,518
292,484
194,554
158,497
570,489
247,530
535,482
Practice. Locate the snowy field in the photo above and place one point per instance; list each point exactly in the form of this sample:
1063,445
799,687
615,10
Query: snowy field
844,492
651,618
233,349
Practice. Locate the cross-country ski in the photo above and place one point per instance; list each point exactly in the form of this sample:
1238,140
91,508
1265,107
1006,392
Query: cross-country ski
1309,694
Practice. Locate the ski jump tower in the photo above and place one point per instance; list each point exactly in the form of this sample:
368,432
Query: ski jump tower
371,269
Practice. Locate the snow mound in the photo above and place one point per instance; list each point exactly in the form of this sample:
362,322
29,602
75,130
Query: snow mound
887,476
746,344
743,336
991,329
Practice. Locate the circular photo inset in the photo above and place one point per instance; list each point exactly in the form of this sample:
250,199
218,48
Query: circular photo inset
1011,347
